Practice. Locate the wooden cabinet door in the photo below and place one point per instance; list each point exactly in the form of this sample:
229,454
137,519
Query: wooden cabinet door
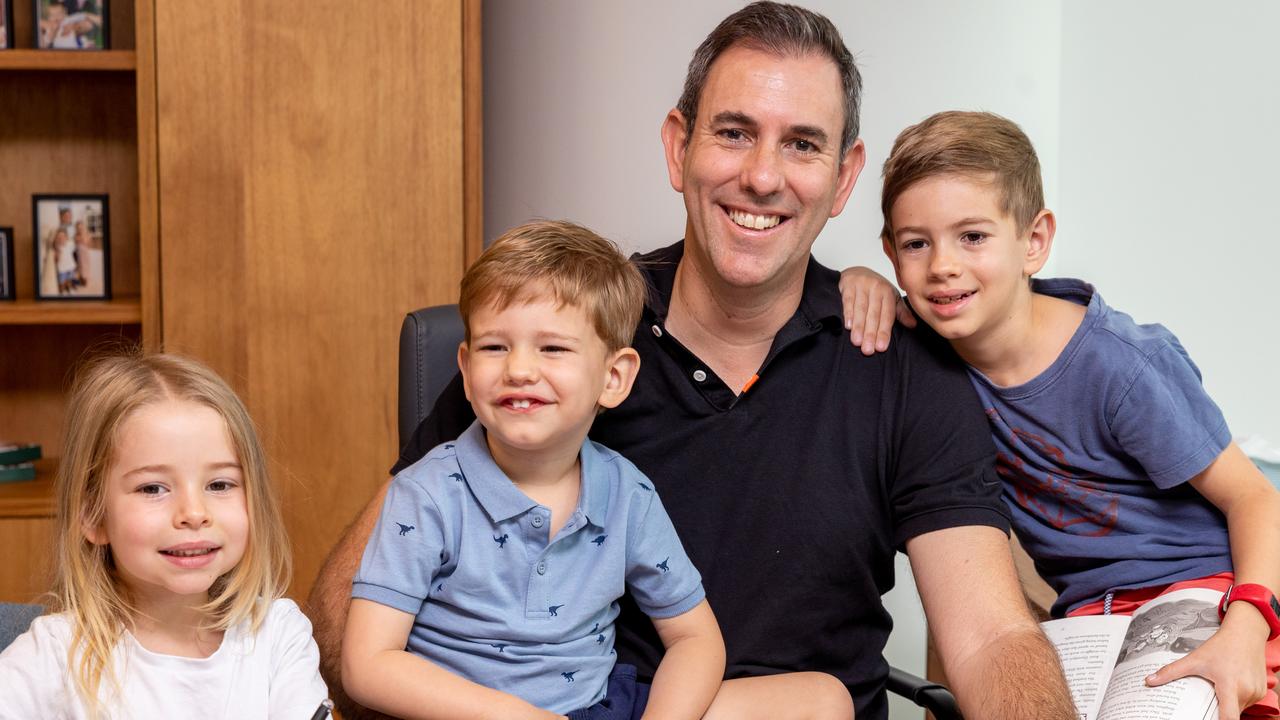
311,191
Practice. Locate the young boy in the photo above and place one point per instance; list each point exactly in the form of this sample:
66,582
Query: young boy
489,586
1119,470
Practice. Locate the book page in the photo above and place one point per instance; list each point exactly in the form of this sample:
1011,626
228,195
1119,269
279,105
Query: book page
1088,647
1162,631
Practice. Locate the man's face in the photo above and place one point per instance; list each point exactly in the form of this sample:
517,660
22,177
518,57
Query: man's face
761,171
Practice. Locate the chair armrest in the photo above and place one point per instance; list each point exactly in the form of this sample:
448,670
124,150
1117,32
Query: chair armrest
929,695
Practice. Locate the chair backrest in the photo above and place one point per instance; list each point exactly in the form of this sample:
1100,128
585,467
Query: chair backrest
15,619
428,361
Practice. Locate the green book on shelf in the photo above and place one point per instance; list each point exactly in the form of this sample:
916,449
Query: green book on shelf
12,453
17,473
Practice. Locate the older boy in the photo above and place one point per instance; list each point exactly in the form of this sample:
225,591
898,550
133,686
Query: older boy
1118,469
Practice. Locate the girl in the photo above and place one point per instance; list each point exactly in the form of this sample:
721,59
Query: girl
171,561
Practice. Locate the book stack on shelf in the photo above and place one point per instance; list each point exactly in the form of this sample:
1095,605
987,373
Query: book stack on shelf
17,461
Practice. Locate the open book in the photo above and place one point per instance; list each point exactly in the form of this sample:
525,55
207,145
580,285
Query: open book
1108,657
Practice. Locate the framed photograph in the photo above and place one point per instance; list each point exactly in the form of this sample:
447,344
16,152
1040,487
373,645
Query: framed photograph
70,24
6,263
6,24
72,244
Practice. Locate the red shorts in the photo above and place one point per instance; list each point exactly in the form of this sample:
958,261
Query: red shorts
1124,602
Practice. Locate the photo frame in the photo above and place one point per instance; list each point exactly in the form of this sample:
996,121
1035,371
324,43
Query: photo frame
70,24
6,263
71,243
6,24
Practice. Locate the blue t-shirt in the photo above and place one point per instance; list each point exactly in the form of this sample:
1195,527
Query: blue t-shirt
460,547
1095,452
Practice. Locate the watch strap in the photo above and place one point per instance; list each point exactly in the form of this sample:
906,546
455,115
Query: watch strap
1258,596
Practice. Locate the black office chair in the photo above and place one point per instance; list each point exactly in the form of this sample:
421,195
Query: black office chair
428,361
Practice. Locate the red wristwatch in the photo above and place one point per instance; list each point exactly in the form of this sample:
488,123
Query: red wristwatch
1257,596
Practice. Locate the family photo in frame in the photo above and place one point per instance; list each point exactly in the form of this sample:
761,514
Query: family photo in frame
6,263
6,24
71,235
70,24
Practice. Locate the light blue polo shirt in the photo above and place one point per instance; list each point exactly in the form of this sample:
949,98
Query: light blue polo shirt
460,547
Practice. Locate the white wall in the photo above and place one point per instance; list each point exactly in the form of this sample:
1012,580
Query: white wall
1169,193
1154,122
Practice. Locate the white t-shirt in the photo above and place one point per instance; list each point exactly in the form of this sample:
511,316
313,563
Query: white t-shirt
274,674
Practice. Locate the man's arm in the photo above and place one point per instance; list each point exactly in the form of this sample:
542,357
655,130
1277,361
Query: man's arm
330,599
331,595
999,663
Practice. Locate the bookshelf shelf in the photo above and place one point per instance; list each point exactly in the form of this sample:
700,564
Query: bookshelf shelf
30,498
125,311
104,60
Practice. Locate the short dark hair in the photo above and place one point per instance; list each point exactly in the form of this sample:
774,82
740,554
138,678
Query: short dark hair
782,30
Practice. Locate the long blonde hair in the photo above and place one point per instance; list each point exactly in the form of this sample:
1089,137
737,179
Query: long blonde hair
106,392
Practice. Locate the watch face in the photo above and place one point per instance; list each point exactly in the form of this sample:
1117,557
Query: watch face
1275,606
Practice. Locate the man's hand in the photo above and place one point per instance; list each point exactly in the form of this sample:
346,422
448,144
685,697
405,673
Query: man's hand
870,304
1234,660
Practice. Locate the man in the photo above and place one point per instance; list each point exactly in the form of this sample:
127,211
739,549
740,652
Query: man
792,465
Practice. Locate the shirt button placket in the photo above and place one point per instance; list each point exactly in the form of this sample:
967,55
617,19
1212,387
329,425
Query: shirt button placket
539,598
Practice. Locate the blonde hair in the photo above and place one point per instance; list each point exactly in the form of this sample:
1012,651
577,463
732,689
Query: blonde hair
981,145
580,267
106,392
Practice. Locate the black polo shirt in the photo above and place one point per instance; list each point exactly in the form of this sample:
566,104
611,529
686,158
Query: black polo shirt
792,497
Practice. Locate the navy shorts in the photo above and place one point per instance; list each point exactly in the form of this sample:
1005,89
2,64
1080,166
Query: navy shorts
625,698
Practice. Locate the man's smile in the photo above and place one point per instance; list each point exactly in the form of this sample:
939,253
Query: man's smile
753,221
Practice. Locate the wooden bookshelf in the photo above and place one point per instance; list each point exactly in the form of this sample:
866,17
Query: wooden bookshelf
108,60
74,122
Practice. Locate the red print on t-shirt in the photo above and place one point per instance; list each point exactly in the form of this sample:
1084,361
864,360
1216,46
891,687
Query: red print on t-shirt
1064,499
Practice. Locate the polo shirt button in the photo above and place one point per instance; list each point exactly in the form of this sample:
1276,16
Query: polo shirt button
536,521
657,331
699,375
542,568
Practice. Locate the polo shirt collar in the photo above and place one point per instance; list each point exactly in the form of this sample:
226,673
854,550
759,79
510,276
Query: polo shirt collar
500,497
819,301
